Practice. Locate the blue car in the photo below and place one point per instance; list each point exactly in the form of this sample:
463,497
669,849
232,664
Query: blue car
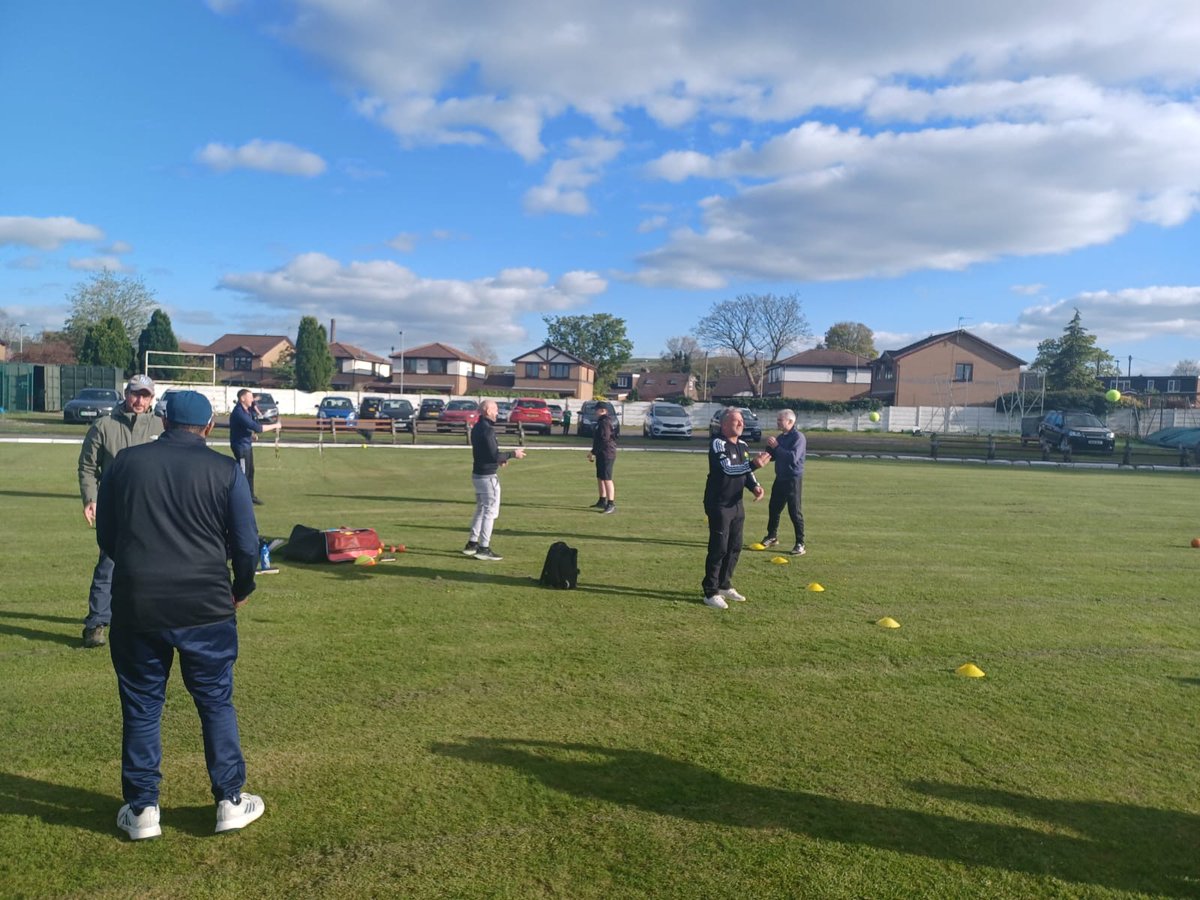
337,408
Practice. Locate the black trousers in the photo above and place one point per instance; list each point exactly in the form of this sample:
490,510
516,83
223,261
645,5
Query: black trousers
724,546
786,492
245,459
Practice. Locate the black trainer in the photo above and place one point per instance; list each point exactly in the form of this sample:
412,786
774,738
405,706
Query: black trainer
471,549
609,509
600,504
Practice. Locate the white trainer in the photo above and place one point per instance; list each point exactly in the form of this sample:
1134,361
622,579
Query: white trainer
731,593
231,816
716,602
142,826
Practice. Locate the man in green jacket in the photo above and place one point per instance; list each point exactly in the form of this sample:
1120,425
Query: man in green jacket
131,423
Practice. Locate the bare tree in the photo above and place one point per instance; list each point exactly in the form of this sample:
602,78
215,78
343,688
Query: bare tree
681,352
1187,367
757,329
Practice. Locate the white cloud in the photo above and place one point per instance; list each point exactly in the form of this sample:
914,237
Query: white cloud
405,242
99,263
45,234
654,223
117,247
1027,290
563,189
264,156
360,295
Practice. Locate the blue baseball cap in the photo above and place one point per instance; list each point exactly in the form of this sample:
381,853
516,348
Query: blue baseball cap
188,408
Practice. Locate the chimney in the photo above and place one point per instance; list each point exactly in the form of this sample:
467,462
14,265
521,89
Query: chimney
332,330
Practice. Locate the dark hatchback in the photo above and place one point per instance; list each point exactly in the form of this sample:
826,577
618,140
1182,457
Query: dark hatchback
398,409
1067,430
90,404
431,408
752,430
587,417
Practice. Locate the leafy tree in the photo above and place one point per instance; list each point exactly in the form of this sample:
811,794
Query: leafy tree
756,329
681,352
1186,367
104,295
283,373
600,339
107,344
159,335
1074,362
313,361
851,337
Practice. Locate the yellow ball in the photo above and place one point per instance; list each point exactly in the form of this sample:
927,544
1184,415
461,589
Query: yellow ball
874,417
1113,396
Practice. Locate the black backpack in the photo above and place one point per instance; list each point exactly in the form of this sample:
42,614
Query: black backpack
561,569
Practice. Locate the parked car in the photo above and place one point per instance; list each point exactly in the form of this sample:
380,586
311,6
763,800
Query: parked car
533,414
268,409
337,408
587,418
1076,430
397,408
666,420
459,412
90,404
556,412
370,408
752,431
503,408
431,408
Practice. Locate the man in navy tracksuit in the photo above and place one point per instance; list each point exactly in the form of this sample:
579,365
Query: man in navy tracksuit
172,514
244,429
730,472
788,452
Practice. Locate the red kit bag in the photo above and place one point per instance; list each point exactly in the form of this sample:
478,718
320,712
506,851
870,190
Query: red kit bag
345,544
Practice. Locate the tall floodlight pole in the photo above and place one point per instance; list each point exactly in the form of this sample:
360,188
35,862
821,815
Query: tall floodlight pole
21,326
402,363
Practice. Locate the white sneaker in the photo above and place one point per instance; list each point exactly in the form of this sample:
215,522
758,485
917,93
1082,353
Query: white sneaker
231,816
730,593
716,602
798,550
139,827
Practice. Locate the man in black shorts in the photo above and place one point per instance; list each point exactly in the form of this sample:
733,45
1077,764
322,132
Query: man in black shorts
604,454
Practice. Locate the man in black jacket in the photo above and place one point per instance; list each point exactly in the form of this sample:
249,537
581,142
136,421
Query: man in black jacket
171,514
487,460
604,455
730,473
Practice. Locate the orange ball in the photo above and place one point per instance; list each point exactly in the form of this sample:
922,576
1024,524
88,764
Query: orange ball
400,548
1196,542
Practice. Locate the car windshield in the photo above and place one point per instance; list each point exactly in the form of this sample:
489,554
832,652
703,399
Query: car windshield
98,394
675,412
396,404
462,404
266,398
336,403
747,415
431,404
1083,420
531,404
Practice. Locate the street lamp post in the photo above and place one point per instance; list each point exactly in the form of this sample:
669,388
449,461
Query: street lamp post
401,363
21,326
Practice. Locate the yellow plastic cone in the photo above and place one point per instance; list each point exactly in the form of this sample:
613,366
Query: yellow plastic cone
888,622
815,587
758,546
969,670
780,560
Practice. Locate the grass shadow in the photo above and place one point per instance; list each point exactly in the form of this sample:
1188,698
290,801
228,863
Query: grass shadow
37,634
58,804
39,494
566,535
1087,842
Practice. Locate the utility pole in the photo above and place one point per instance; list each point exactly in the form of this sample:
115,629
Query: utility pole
402,363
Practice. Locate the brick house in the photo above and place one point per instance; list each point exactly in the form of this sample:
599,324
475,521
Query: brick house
247,359
546,369
1168,391
833,376
438,369
355,369
954,368
667,386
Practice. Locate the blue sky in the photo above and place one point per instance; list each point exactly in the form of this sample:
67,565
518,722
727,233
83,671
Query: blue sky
457,171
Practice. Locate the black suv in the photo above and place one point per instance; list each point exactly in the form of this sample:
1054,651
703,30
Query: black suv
752,430
1068,430
587,417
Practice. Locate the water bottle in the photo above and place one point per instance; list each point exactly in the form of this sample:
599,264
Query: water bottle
264,555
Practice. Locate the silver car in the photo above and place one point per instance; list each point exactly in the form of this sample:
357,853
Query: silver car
90,404
667,420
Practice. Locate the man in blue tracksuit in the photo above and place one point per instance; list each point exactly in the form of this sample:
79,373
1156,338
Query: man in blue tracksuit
244,429
788,452
172,515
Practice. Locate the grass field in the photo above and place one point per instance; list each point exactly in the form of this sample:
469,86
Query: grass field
442,727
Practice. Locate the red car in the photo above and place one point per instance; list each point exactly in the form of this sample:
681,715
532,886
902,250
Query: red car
459,412
532,413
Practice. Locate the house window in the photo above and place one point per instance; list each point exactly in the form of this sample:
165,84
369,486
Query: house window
243,362
623,381
1149,384
840,376
560,370
1172,386
531,370
964,371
